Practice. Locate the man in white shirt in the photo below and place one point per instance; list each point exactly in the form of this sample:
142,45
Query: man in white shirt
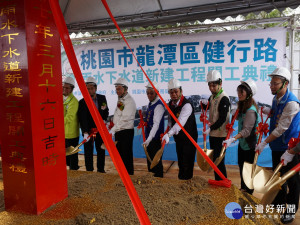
123,120
155,127
284,124
184,112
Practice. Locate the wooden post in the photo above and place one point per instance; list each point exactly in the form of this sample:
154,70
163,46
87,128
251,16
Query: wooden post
31,107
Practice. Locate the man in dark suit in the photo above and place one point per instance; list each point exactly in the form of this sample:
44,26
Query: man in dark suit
87,125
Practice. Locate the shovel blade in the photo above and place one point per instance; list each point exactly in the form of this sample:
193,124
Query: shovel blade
262,182
71,150
146,153
270,195
202,163
249,174
156,158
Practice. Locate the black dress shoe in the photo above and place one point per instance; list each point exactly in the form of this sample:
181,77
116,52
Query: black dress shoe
101,171
287,218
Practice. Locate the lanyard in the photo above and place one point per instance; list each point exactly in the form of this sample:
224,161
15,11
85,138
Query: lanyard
220,92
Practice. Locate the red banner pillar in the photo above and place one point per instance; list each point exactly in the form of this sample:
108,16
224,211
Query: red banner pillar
31,107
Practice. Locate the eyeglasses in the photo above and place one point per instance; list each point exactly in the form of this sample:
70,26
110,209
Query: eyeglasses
274,84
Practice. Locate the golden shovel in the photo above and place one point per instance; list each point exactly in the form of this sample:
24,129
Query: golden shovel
158,155
264,179
202,163
142,125
72,150
220,158
270,195
250,170
146,153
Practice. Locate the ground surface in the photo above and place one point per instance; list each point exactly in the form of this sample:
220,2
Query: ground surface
96,198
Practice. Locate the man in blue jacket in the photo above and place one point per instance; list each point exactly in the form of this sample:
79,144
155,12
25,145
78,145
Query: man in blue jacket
284,125
155,127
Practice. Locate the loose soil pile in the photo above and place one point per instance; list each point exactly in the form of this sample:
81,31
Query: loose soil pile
96,198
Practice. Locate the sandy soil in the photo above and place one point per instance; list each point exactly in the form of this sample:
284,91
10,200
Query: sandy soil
96,198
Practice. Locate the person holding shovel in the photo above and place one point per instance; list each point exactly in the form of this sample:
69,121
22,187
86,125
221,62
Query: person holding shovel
284,125
184,112
155,127
289,154
248,120
123,129
88,126
71,121
218,117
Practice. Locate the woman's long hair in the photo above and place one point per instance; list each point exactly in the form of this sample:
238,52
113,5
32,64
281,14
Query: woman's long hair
244,105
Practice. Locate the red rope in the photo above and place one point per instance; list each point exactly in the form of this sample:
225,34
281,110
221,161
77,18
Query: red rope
165,104
113,152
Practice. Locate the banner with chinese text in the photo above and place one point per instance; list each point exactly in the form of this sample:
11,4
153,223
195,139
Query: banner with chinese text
238,55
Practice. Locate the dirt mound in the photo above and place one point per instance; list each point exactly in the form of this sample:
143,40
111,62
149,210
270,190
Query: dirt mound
96,198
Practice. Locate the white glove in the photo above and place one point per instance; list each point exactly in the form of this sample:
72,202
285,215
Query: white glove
204,101
86,137
260,147
112,133
266,110
287,157
166,138
229,141
146,142
206,132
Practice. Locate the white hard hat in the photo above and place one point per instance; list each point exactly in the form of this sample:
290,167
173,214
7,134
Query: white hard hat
213,75
250,84
155,84
69,80
121,81
282,72
91,80
173,83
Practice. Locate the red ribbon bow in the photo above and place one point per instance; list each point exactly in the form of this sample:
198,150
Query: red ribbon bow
94,132
111,124
229,128
262,128
293,142
203,118
142,124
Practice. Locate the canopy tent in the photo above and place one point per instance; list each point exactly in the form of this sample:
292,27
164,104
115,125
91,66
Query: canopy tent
82,15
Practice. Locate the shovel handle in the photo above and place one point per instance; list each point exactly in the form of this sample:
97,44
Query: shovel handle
287,175
143,128
296,168
204,120
85,140
277,169
231,123
163,144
